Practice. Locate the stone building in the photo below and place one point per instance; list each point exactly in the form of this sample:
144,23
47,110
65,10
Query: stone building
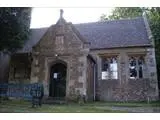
107,61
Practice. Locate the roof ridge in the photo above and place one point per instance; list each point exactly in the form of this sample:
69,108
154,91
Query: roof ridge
108,21
97,22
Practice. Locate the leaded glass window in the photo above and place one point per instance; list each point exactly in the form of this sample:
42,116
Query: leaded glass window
109,68
136,65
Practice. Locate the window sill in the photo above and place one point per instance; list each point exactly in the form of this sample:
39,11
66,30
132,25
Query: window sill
108,79
137,78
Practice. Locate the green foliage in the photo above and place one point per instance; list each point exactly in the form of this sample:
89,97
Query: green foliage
123,12
15,106
14,27
154,17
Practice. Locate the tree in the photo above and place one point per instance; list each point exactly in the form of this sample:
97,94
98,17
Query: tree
123,12
154,20
14,27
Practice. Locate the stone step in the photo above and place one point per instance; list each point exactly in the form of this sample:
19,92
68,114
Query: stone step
53,100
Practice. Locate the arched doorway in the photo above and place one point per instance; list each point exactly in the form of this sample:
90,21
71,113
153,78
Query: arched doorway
58,80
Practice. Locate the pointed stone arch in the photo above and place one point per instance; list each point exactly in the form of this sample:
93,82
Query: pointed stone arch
58,78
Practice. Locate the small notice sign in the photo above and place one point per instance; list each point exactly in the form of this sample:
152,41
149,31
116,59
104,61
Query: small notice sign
55,75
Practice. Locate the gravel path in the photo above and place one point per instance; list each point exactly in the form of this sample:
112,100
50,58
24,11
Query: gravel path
136,109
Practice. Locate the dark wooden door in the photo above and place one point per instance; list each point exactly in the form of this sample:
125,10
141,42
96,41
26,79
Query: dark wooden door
58,80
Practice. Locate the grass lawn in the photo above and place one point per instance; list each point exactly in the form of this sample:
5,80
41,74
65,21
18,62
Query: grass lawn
25,107
128,104
19,106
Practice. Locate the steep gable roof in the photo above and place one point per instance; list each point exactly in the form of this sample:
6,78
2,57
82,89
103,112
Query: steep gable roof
34,38
101,35
116,33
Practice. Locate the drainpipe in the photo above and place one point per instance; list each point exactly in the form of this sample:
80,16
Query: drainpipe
94,82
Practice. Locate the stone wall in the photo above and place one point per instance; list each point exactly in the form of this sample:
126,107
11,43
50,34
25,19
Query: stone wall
61,43
152,73
76,73
133,90
125,89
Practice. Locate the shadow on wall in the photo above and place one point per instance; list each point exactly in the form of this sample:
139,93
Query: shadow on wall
4,67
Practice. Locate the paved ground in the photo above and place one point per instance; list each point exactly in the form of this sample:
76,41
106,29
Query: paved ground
137,109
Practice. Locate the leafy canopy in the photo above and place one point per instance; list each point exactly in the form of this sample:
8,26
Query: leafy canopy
14,27
123,12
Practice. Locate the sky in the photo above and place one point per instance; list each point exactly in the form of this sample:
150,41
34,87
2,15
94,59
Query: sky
44,17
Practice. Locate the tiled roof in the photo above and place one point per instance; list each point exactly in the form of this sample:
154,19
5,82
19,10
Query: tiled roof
109,34
117,33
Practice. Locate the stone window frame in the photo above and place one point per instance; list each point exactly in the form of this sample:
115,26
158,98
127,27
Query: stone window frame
136,55
59,42
59,39
118,67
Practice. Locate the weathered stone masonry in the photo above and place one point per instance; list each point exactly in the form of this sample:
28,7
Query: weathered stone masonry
123,88
73,45
70,50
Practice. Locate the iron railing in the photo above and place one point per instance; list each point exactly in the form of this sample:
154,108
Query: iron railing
25,91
